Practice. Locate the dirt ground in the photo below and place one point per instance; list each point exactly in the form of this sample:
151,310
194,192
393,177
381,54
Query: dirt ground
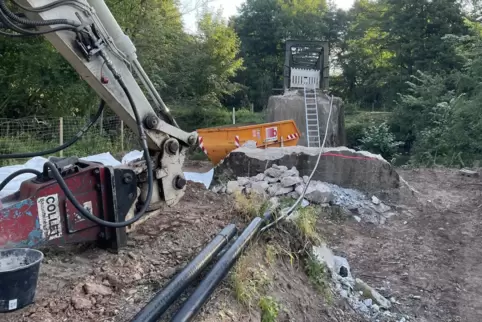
428,258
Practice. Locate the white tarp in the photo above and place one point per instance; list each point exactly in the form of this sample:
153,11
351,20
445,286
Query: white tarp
204,178
105,158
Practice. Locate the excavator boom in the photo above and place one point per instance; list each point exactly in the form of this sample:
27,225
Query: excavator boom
87,35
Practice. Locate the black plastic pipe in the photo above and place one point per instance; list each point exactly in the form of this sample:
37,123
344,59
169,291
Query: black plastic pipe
164,298
205,289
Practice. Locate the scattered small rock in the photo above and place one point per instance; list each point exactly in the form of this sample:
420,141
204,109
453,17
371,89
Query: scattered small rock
259,187
278,190
290,181
274,172
280,167
317,192
257,178
293,195
304,203
218,188
233,186
372,293
293,172
97,289
167,273
273,203
242,181
468,173
81,303
375,200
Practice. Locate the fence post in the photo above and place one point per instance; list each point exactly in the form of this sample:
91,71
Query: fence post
234,115
61,134
101,123
122,135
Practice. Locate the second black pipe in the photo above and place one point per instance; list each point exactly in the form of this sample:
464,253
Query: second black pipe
202,293
163,299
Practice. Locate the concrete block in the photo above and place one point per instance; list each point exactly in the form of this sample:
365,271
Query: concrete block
341,166
291,106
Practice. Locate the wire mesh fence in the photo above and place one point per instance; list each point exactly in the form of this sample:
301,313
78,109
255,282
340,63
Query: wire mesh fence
34,134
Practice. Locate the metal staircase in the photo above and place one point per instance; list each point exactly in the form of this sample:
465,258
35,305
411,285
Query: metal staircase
311,116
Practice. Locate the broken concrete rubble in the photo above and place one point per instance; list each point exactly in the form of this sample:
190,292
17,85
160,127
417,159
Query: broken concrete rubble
317,192
288,184
277,189
290,181
259,187
259,177
274,172
243,181
233,186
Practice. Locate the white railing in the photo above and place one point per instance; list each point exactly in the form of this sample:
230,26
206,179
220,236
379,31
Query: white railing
301,77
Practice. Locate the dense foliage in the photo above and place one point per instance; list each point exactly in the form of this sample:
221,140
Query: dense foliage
409,71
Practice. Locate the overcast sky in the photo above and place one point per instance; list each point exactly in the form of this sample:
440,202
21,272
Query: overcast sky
230,9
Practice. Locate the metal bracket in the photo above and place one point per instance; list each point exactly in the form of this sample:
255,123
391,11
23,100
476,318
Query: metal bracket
153,123
174,183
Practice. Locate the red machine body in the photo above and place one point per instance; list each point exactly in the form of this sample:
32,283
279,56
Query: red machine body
40,214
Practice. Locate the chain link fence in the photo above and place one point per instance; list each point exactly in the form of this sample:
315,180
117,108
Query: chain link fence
34,134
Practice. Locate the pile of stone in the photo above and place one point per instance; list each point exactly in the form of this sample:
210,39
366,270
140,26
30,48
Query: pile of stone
279,181
364,299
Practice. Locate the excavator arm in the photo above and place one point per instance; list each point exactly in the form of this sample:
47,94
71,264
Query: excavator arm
100,51
77,201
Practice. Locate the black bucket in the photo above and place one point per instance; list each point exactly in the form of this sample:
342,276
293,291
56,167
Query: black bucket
19,269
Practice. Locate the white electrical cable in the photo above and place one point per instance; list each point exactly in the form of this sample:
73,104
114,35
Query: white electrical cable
302,196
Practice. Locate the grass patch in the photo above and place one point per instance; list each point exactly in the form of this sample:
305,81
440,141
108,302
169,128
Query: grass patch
269,309
250,205
249,279
306,224
273,251
319,275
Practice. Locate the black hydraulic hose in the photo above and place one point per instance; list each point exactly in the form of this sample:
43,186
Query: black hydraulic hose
194,303
16,174
60,147
25,32
159,304
50,5
150,175
23,21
